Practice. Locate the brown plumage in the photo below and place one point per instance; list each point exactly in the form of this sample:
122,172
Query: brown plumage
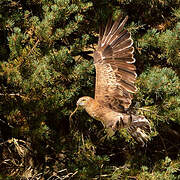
115,77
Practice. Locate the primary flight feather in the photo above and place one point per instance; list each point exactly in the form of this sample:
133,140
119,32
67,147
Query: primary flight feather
115,77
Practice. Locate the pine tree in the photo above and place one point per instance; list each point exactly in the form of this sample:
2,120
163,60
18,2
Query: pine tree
46,64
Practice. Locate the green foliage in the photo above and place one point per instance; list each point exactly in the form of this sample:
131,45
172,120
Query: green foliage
46,64
159,91
166,170
167,43
88,163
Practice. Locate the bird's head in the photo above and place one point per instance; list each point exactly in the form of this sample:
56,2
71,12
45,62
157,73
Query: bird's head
82,102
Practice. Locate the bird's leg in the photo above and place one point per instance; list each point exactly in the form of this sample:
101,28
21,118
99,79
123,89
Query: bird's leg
139,129
118,124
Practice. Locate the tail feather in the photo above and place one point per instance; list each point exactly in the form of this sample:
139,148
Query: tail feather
139,129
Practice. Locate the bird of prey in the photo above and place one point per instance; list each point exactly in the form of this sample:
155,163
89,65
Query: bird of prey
115,77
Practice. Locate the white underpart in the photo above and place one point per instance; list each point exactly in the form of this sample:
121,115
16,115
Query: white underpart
141,120
120,116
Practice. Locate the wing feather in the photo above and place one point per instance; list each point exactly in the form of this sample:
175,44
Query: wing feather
115,73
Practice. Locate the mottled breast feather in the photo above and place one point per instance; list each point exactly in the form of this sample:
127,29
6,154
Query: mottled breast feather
115,71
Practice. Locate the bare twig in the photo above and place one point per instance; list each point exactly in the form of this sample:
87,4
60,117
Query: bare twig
33,47
4,122
14,94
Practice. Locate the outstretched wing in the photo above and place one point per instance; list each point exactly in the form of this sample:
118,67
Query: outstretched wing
115,73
